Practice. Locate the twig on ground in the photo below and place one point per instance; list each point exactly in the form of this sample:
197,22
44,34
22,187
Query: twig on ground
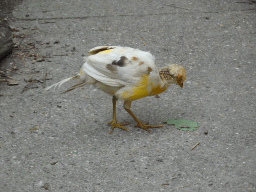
195,145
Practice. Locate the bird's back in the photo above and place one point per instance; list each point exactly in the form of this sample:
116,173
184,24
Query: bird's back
117,66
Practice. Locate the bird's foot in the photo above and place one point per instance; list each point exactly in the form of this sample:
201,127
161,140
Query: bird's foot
145,126
117,125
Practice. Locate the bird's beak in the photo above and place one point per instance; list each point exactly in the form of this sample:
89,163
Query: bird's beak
181,85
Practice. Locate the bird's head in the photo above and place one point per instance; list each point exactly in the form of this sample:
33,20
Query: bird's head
173,74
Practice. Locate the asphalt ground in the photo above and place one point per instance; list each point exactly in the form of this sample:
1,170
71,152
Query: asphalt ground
61,142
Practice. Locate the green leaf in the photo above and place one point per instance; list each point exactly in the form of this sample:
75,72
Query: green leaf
182,124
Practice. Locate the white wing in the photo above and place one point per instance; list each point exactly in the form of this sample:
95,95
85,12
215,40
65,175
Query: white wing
117,66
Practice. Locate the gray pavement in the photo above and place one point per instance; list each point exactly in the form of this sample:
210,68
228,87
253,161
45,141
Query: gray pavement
61,142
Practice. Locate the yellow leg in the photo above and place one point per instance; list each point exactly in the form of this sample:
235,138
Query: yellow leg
114,122
145,126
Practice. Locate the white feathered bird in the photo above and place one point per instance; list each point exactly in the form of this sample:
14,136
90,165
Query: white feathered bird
128,74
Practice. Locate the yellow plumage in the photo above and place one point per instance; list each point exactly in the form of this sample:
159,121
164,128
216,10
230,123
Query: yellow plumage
139,90
143,88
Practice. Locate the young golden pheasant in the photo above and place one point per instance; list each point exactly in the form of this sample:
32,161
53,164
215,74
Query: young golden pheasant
128,74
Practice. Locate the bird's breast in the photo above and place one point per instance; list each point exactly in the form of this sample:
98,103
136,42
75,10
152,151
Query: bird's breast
145,87
158,89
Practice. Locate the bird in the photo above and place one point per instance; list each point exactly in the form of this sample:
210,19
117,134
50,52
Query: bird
127,74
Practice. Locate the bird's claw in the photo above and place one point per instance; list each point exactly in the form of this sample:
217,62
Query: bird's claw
117,125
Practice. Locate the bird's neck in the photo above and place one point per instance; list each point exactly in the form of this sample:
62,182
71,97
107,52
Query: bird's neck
166,77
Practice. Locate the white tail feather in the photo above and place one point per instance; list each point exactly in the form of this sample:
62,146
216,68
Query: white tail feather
61,82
